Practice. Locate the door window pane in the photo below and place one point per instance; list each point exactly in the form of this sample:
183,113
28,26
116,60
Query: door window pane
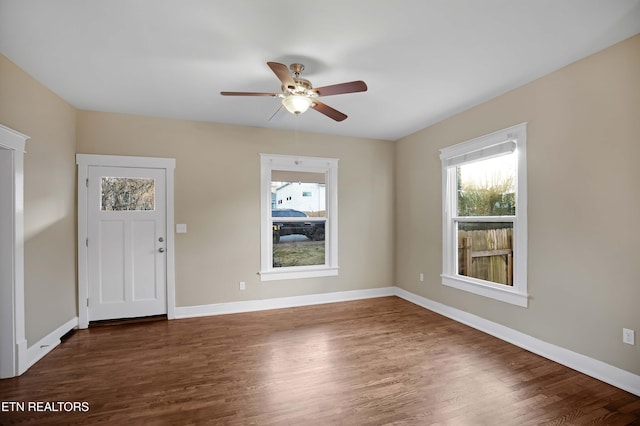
127,194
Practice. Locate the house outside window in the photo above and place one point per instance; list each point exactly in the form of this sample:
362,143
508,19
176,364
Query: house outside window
299,220
306,196
485,215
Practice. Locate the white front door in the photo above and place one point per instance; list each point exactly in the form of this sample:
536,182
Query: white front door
126,244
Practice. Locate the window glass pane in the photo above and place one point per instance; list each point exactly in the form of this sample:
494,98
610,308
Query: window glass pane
298,250
126,194
487,187
485,251
298,201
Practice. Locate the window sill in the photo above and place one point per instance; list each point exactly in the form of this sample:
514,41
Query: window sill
487,289
296,273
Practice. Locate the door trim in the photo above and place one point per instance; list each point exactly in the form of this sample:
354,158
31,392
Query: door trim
84,161
13,341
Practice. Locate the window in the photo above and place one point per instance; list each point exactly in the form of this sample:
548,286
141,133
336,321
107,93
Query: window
485,215
127,194
299,230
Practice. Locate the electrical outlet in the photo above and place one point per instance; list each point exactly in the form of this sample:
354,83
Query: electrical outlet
421,277
628,336
243,286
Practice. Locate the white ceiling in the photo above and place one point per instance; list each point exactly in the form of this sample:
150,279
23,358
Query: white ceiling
423,60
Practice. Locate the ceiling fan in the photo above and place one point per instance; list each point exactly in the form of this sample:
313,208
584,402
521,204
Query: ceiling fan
298,95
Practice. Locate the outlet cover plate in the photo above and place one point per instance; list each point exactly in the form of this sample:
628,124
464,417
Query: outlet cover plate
628,336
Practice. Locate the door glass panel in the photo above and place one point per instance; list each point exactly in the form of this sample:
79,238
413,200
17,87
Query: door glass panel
127,194
298,213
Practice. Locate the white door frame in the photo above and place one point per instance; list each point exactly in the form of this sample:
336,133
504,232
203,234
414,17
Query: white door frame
13,341
84,161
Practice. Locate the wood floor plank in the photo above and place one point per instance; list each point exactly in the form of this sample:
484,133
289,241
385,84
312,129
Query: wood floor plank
369,362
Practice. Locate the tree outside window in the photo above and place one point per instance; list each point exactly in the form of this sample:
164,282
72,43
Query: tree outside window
484,215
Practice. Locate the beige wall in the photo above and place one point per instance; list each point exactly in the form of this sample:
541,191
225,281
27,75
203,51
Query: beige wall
49,197
217,181
583,153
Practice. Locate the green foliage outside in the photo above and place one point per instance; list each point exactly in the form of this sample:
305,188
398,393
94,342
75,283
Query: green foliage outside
492,197
123,194
486,194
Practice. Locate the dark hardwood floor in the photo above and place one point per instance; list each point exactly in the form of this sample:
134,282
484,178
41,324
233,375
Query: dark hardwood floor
369,362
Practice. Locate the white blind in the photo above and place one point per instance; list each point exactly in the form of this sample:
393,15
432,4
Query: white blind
502,148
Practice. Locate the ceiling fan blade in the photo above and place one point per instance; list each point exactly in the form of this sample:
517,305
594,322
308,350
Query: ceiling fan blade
328,111
248,94
338,89
282,72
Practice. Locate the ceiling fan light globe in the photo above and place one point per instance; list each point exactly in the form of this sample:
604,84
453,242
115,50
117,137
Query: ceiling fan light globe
296,104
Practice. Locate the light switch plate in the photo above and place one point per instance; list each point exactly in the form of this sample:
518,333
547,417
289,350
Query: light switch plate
181,228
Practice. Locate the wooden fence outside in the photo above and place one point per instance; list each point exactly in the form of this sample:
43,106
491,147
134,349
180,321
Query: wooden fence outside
486,255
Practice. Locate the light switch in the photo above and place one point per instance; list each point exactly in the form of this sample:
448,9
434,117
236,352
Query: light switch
181,228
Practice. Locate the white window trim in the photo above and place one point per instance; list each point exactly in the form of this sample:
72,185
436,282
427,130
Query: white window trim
328,166
488,145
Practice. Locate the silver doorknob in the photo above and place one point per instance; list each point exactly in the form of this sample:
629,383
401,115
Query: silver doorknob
161,250
161,239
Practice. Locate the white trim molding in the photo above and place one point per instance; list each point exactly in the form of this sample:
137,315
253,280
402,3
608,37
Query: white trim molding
45,345
591,367
12,139
13,340
291,163
512,140
282,302
84,161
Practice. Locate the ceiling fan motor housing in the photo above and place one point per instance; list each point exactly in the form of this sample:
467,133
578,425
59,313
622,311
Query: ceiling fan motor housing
296,68
302,87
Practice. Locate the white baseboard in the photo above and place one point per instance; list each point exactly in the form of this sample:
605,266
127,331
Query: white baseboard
584,364
282,302
21,351
45,345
